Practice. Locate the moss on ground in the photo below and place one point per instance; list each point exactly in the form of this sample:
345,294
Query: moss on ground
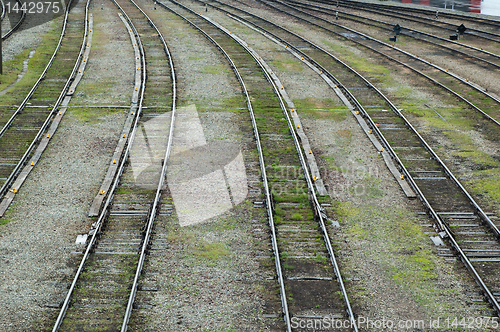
321,108
216,70
394,241
12,68
487,184
286,64
91,115
36,65
210,251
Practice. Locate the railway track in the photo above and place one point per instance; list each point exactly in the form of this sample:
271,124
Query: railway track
16,25
430,24
296,224
472,234
423,12
459,86
377,28
23,129
103,290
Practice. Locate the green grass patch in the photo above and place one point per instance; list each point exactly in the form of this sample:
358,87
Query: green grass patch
216,70
287,64
456,127
285,197
36,65
322,108
375,71
345,210
124,190
4,221
91,115
319,258
12,68
420,268
487,183
211,251
403,254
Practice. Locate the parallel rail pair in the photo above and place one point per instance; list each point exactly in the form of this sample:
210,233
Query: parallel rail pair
441,226
275,229
136,222
17,142
18,23
422,10
428,66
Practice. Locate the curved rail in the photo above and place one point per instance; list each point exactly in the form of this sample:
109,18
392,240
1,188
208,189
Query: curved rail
161,183
319,211
427,21
481,213
424,10
18,24
30,149
2,16
463,81
440,38
100,221
439,223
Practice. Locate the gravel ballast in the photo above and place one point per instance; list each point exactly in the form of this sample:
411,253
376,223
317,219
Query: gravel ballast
209,278
51,208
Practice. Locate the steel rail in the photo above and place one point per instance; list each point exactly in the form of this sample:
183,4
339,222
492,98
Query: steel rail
319,210
161,183
327,73
442,227
488,117
404,16
442,11
105,211
46,123
478,209
452,42
42,76
307,176
18,24
274,242
320,8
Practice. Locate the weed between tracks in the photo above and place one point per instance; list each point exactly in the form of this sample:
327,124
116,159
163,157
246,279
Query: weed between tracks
402,255
454,130
286,64
4,221
384,244
92,115
345,53
12,68
470,149
36,65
